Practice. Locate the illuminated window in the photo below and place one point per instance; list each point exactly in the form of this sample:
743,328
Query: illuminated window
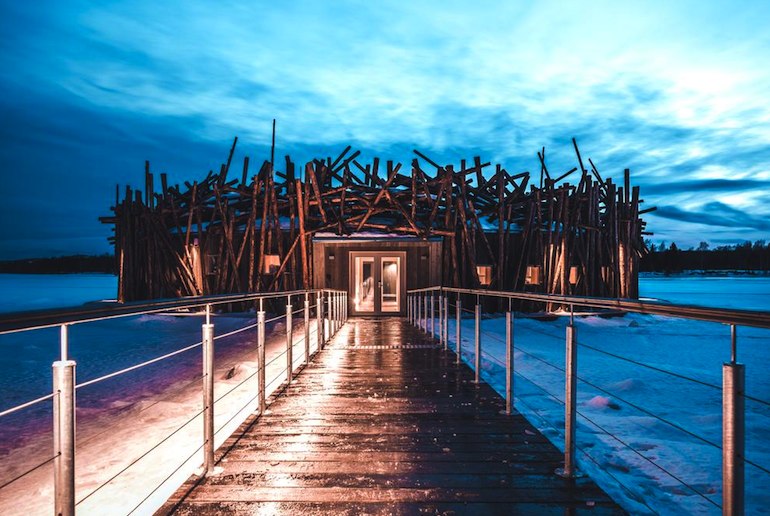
574,275
272,264
533,275
485,274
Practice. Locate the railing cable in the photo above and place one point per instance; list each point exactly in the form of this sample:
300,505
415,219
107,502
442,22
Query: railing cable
27,404
189,457
582,450
142,456
137,366
22,475
640,454
648,366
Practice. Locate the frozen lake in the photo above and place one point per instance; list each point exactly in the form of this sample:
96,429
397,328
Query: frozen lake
746,292
165,394
19,292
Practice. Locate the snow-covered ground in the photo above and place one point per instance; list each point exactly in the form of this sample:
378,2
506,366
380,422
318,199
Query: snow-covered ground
136,431
648,437
671,422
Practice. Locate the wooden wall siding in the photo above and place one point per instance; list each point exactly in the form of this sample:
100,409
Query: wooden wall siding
212,236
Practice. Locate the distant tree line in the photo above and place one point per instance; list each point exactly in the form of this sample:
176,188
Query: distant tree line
60,265
670,258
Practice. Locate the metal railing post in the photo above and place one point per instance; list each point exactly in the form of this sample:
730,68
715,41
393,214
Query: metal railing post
478,342
440,319
418,309
64,436
307,328
289,341
432,315
261,359
330,314
733,434
570,397
336,311
425,313
459,328
409,308
208,393
508,361
445,329
63,343
319,314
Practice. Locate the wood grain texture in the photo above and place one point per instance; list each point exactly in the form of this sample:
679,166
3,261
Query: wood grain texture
384,422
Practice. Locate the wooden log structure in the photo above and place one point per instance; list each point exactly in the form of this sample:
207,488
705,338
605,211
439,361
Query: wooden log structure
252,234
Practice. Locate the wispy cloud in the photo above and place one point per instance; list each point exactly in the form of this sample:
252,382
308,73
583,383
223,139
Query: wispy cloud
674,90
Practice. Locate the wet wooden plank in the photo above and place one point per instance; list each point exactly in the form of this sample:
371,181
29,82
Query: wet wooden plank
371,427
389,509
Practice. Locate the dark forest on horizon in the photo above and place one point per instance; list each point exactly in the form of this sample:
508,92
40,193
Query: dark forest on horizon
746,256
663,257
104,263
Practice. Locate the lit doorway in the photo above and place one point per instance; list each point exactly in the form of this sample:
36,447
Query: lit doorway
377,282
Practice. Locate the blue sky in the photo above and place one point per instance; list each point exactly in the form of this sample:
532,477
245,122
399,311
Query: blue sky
676,91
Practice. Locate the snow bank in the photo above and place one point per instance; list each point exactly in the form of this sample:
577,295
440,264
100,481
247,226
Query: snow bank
139,434
639,429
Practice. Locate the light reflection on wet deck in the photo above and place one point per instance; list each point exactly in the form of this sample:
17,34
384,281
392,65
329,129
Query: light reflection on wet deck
384,422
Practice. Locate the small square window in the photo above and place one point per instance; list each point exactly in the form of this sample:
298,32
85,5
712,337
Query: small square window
574,275
533,275
485,274
272,264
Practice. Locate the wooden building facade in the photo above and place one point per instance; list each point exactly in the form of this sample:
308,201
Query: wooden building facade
377,230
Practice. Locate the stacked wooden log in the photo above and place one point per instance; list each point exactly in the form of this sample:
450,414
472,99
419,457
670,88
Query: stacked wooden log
253,233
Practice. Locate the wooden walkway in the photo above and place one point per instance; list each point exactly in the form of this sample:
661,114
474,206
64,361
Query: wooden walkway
384,422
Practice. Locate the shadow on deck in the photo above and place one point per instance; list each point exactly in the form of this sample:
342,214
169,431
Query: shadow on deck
384,422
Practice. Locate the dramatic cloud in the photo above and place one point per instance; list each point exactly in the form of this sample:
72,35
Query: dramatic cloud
675,91
716,214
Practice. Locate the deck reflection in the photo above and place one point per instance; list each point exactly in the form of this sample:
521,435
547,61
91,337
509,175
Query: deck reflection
383,421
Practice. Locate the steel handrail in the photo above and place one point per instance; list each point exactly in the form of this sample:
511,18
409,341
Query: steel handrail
422,313
64,369
754,318
47,318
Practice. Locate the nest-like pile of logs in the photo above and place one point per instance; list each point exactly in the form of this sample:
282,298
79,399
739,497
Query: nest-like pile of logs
218,235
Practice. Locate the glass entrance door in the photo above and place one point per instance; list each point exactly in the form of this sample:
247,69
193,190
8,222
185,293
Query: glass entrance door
390,291
363,291
377,282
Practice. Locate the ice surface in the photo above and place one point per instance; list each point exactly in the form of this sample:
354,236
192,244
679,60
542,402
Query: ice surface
20,292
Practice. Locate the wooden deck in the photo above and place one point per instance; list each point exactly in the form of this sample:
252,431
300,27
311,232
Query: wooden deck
384,422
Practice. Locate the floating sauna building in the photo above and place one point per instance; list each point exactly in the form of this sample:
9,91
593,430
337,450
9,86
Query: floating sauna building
378,229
